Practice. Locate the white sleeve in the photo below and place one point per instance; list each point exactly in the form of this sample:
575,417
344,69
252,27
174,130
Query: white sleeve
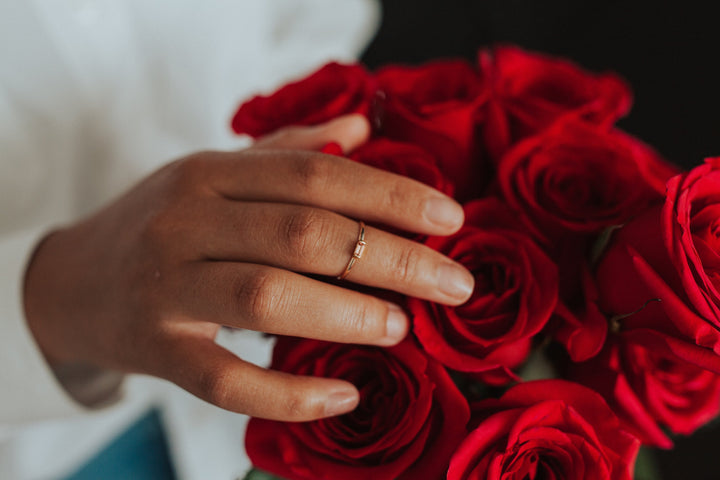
95,95
39,165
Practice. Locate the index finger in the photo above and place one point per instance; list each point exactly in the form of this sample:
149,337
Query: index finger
337,184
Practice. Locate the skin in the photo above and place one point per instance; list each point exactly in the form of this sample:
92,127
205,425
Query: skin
224,238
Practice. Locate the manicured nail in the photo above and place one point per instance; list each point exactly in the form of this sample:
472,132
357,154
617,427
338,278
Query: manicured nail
396,325
455,281
341,402
444,212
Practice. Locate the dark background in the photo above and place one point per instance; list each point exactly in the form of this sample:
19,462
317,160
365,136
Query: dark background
668,52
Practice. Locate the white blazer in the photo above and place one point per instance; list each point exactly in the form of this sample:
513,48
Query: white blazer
94,94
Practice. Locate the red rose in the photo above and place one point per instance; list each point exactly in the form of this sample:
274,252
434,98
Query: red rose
648,388
330,92
434,106
691,224
409,421
515,294
670,255
404,159
529,91
579,324
576,179
548,429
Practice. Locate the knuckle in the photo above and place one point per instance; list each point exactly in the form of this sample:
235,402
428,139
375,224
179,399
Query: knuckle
297,405
406,265
189,173
176,184
313,172
404,199
304,233
159,226
259,295
187,169
364,322
397,198
216,387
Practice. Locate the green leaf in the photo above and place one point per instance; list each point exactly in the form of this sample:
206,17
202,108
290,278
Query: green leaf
645,466
256,474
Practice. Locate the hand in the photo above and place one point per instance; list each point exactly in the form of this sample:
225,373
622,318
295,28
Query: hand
223,239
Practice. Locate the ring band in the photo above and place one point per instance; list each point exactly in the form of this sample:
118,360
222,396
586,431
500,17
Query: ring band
357,253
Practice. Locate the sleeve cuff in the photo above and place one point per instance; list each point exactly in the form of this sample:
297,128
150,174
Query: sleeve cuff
31,390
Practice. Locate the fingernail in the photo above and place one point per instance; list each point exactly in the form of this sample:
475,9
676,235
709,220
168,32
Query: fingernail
396,326
341,402
349,131
444,212
455,281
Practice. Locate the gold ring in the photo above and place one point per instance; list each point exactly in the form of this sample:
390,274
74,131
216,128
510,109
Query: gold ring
357,253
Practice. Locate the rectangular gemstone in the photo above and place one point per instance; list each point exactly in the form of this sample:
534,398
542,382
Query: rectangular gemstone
359,249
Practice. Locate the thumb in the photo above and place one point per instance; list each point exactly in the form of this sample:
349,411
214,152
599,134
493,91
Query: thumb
349,131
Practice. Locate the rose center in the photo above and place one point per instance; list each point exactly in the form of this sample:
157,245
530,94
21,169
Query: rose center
492,278
529,465
381,397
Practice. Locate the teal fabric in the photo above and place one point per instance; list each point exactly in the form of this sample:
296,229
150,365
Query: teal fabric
139,453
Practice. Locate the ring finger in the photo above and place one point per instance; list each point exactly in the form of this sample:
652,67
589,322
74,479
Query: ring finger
317,241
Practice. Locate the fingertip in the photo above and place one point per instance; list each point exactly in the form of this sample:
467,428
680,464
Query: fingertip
456,283
444,213
342,401
397,326
350,131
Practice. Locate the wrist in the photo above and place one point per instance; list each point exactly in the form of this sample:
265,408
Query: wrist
39,300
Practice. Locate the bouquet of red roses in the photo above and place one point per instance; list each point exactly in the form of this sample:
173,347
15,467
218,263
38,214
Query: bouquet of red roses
594,327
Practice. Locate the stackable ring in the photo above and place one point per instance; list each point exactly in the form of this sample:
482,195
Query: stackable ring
357,253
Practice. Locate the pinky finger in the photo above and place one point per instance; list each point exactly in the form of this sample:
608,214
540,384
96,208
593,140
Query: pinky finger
350,131
216,375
